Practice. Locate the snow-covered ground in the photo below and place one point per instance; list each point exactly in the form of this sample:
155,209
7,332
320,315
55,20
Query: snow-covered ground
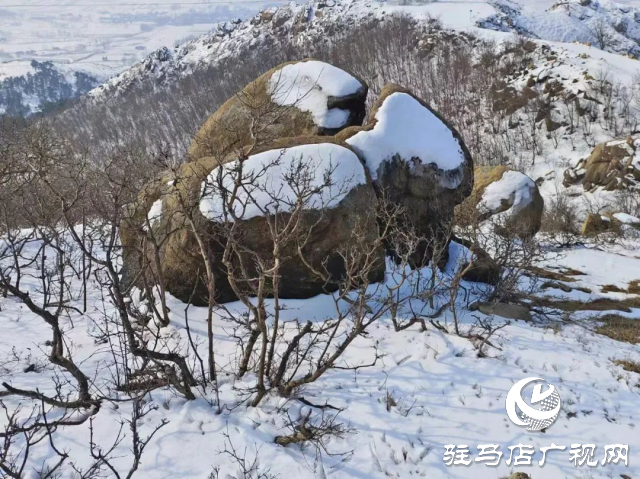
428,390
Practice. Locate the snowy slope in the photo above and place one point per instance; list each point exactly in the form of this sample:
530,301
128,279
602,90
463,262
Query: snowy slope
538,19
608,25
108,39
429,390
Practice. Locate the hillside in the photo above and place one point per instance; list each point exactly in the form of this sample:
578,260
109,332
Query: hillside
565,21
330,241
121,37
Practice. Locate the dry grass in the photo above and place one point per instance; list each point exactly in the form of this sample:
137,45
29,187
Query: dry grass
634,287
612,288
628,365
619,328
572,272
562,275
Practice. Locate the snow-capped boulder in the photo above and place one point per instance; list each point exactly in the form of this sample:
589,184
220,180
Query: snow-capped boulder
304,98
510,200
612,165
332,211
415,159
405,153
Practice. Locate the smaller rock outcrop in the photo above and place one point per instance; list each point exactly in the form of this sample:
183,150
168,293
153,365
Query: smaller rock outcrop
619,223
612,166
510,200
594,224
475,263
504,310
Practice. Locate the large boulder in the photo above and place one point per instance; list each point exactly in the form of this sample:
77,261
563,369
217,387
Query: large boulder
612,165
139,220
510,200
198,197
406,153
303,98
416,160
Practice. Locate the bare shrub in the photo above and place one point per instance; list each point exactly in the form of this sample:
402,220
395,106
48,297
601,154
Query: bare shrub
561,220
627,201
601,32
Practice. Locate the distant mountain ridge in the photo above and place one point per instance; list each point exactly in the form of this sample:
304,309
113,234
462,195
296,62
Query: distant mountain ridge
41,90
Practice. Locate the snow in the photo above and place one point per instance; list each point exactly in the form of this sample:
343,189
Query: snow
514,187
155,213
406,128
443,393
455,14
627,219
265,189
617,266
309,85
569,21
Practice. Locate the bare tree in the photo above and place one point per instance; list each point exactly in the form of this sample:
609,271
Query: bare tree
601,32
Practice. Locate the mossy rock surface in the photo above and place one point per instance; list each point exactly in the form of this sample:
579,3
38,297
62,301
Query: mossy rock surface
329,230
251,116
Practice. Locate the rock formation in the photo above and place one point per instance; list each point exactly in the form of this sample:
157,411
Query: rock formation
612,165
416,160
261,164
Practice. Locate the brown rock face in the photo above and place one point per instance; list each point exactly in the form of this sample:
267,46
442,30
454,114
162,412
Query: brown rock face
325,231
414,177
406,153
256,115
483,268
519,475
609,166
595,224
514,200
